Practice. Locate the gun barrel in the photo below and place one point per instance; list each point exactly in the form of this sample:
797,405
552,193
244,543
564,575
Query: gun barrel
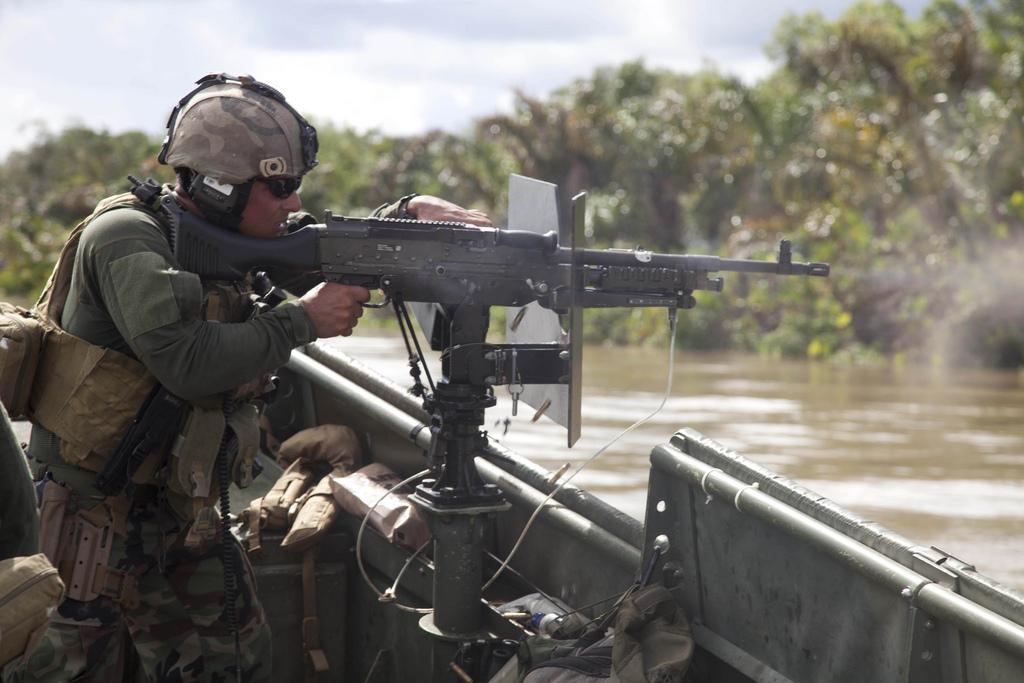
775,267
694,262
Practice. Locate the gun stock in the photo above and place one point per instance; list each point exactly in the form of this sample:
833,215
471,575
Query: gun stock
214,253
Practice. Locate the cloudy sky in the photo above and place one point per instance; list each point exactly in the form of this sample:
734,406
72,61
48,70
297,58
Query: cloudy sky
402,66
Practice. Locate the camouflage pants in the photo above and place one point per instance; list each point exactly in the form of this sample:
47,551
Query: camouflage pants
179,629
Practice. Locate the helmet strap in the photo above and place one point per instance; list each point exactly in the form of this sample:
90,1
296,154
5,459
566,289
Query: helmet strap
221,203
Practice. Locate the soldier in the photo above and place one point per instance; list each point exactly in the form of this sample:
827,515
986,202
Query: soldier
145,568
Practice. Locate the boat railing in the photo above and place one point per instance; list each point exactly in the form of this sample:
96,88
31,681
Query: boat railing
784,582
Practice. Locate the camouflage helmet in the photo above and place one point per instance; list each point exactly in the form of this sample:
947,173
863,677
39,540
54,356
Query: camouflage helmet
233,129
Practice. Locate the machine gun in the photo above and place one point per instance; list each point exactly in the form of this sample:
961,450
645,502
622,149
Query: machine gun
462,271
458,264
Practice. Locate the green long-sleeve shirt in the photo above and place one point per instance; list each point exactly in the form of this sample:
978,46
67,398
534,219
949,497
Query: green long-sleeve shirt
127,294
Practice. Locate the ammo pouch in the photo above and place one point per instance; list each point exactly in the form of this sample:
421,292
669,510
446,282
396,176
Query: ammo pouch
302,500
194,455
193,459
651,643
277,508
313,520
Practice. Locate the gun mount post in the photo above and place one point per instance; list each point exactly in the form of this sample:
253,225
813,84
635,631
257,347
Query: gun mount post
456,501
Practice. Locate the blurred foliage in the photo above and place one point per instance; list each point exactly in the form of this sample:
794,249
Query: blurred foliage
50,186
882,143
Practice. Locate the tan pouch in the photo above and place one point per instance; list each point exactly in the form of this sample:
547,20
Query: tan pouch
191,478
88,396
287,490
336,446
244,422
274,510
21,342
29,591
314,518
394,517
194,455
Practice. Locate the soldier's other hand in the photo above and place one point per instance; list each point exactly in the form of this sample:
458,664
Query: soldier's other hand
428,208
334,308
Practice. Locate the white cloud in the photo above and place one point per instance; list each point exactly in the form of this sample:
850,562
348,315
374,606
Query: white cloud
400,66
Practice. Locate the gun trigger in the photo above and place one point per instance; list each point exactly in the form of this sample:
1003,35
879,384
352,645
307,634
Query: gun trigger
382,304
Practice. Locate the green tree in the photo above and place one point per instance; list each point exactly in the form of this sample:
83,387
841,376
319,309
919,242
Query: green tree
54,183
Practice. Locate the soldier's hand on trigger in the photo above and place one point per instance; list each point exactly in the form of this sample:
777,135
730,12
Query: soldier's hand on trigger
428,208
334,308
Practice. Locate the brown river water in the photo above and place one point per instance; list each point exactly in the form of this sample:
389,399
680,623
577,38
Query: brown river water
936,456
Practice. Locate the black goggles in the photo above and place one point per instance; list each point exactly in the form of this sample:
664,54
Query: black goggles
282,187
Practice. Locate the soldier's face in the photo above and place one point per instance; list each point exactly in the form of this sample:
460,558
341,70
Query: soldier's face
265,214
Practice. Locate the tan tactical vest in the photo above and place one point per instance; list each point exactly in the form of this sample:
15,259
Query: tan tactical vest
88,395
85,394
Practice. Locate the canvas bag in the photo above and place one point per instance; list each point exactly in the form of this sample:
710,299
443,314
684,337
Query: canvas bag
567,663
296,502
29,590
651,643
21,342
394,516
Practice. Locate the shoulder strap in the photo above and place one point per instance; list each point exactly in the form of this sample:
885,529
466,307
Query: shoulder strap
51,302
317,663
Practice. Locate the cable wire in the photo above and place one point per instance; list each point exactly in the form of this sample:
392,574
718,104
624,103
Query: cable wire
385,596
664,399
229,560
